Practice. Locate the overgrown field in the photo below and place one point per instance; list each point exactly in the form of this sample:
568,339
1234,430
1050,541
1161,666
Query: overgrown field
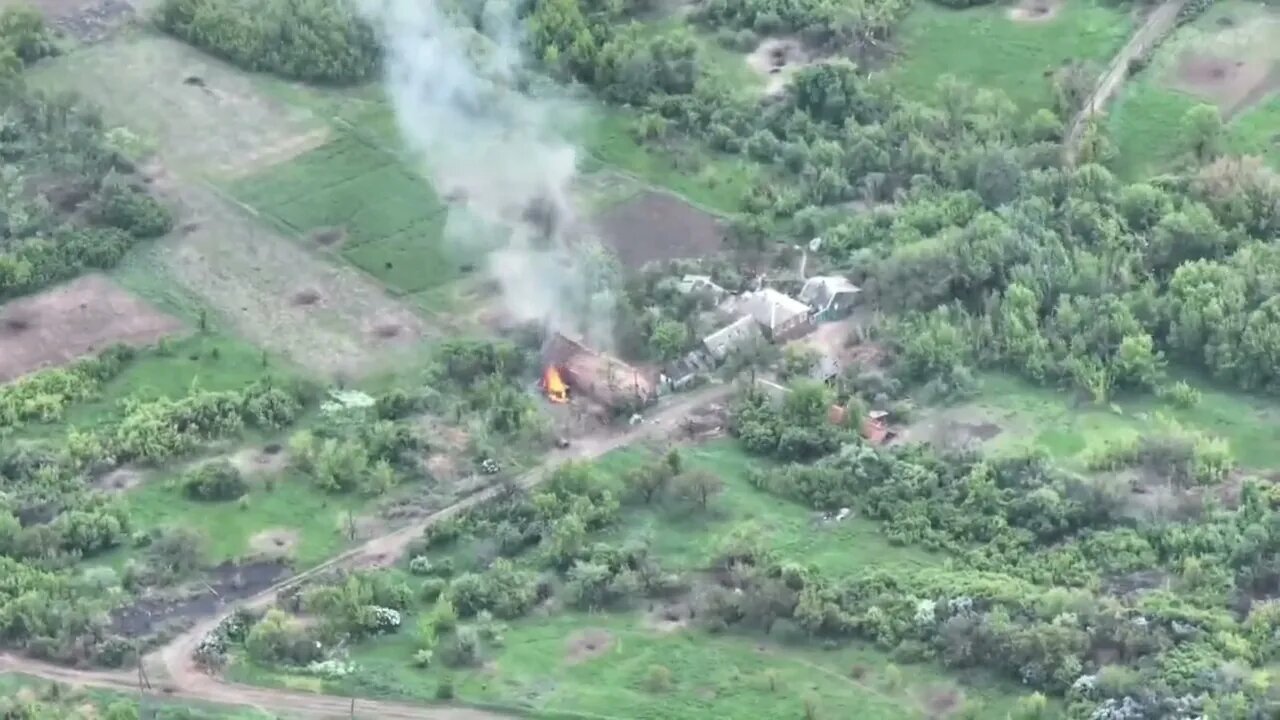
1006,47
1228,58
564,661
1068,428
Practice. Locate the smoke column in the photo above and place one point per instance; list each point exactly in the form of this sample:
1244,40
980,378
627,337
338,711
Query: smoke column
456,102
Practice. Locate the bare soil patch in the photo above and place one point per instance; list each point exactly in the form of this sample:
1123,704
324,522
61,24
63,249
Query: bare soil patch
777,60
274,542
268,460
1231,82
587,645
656,226
303,298
669,617
955,428
122,479
81,317
943,701
222,585
328,237
1034,11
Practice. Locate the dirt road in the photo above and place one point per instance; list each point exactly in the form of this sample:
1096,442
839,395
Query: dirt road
174,673
1153,29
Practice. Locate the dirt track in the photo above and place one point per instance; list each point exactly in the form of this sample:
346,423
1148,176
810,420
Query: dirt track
175,675
1157,24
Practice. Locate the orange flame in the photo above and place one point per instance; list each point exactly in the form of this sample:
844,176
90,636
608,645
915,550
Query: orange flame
553,384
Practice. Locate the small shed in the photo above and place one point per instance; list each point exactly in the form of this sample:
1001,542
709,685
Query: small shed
825,369
875,428
830,296
701,284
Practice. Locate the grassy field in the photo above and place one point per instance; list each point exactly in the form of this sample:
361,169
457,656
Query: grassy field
985,46
1050,419
389,217
723,676
687,540
289,503
1146,116
720,676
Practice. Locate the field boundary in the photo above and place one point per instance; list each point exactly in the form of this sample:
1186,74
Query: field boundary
1157,25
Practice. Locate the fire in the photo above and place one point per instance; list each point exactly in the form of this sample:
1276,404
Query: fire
553,385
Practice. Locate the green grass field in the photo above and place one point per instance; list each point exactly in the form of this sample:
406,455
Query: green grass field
721,676
390,217
984,46
1146,117
289,503
688,540
1048,418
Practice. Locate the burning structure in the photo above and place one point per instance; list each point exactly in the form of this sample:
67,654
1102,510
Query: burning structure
573,368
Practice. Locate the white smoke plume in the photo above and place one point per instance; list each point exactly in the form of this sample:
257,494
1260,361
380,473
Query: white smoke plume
500,150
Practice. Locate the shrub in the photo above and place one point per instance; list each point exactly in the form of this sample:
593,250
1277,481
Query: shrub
121,206
444,688
22,31
431,588
219,480
464,651
658,679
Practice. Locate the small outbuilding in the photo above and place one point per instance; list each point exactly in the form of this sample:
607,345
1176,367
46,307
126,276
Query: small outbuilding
830,296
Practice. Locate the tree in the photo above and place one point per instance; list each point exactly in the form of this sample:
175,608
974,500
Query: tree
647,481
1203,131
698,487
669,338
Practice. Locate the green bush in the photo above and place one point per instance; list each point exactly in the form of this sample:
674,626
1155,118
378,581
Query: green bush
312,40
22,30
121,206
219,480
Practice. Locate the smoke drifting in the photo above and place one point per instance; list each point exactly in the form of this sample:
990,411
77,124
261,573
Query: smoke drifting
453,80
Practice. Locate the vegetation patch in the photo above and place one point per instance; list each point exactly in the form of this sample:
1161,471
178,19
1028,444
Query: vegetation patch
358,198
76,319
315,40
1225,57
988,47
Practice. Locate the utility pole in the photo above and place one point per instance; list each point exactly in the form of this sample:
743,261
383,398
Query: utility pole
144,684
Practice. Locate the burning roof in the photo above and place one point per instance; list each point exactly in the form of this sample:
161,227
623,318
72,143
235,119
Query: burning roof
601,376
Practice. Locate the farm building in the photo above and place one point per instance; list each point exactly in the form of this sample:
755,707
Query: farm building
779,316
701,284
599,376
830,296
739,336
